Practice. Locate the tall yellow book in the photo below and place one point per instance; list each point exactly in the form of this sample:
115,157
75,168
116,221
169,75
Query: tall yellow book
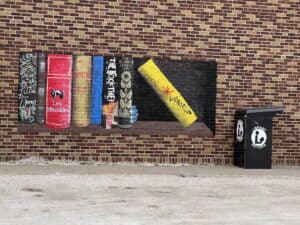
168,93
81,90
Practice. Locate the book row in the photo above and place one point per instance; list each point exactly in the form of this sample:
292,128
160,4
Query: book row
58,90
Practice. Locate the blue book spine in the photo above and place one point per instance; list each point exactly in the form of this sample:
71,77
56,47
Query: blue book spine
97,90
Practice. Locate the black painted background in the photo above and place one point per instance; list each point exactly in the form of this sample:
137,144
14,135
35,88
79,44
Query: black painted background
195,80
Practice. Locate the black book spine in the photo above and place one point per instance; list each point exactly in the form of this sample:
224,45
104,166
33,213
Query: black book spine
41,83
27,87
126,71
110,93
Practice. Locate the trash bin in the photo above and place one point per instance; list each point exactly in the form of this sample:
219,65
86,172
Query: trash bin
253,137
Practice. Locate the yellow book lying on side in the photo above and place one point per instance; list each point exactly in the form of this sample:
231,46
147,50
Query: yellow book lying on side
168,93
81,90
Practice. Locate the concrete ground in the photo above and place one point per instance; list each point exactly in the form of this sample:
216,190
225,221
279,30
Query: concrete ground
37,193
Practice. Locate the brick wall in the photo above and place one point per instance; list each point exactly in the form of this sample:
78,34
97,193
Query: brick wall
255,43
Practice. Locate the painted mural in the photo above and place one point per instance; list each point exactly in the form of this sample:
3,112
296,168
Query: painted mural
27,87
126,70
41,85
60,92
168,93
111,93
97,90
81,91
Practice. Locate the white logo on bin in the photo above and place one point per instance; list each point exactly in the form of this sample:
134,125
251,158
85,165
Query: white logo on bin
240,130
259,137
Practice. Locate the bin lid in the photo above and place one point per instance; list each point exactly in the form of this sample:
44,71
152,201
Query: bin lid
272,110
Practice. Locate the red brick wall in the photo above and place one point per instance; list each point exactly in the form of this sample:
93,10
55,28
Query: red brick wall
255,43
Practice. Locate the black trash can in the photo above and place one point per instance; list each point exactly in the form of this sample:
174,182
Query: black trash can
253,137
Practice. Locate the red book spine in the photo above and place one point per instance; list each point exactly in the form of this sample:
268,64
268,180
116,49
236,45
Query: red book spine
58,99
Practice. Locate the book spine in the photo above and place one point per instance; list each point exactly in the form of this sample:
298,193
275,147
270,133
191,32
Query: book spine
111,93
58,93
168,93
27,87
41,84
126,71
97,90
81,90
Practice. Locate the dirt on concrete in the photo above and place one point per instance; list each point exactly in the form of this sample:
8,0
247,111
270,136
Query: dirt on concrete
50,194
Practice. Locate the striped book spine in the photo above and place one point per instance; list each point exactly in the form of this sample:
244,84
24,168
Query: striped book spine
41,83
81,90
27,87
58,93
97,90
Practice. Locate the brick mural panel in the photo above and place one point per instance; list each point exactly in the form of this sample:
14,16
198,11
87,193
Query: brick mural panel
255,44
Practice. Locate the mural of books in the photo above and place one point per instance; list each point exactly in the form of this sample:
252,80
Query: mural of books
27,87
60,90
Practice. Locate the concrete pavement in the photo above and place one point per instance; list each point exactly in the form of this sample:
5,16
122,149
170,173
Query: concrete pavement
44,194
